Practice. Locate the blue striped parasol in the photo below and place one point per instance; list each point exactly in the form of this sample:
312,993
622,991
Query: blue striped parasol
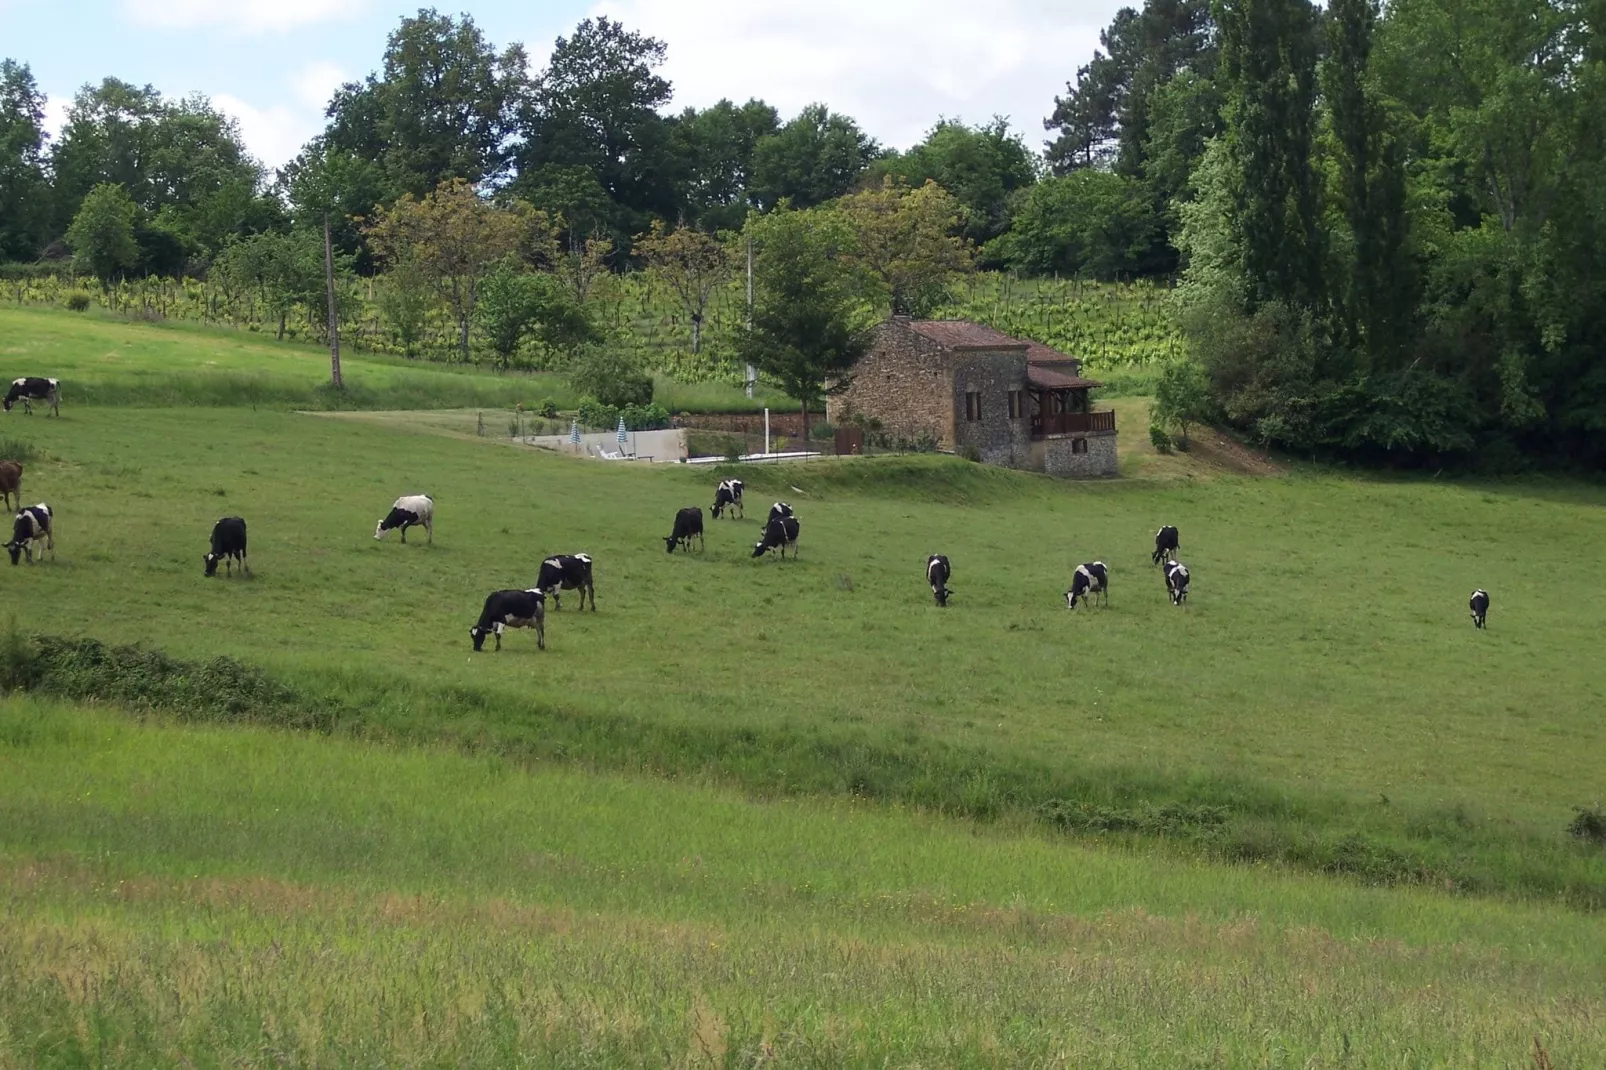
574,432
622,436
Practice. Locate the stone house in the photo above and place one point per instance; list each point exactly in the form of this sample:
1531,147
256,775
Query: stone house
1016,403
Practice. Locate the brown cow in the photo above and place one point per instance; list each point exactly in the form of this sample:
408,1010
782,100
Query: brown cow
11,481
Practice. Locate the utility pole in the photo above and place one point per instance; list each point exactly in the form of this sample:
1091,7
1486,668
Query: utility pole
752,372
334,319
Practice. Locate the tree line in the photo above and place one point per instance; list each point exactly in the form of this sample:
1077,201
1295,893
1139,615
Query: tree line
1385,223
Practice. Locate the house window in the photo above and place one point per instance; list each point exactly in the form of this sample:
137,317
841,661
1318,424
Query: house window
1078,445
972,405
1017,404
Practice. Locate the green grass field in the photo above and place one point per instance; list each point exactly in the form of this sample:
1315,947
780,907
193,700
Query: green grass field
1312,819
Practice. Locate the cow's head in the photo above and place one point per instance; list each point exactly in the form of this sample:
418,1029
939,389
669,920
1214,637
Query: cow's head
942,594
478,634
380,529
7,404
15,550
1071,596
758,550
211,563
669,544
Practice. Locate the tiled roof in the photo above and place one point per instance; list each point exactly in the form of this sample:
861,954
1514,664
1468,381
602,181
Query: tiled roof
958,334
963,334
1046,378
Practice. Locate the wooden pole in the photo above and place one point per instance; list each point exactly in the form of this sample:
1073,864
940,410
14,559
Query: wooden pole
334,320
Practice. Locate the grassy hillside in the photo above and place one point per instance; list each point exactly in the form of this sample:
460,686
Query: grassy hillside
236,897
1287,711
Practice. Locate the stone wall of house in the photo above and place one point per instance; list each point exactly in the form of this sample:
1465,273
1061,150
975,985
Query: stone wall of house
1060,459
906,382
997,438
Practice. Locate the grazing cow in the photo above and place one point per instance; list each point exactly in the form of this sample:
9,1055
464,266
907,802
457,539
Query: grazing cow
688,525
1176,581
728,495
31,525
511,609
779,534
937,573
11,481
1090,581
565,572
30,390
778,510
408,511
1479,603
228,546
1165,544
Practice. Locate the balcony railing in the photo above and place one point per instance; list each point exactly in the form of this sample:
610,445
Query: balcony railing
1066,423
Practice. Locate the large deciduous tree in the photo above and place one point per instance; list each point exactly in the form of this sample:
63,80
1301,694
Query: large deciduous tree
810,321
983,167
718,145
454,234
814,158
908,242
24,188
442,107
102,233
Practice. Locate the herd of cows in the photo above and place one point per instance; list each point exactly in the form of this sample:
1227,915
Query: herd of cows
35,524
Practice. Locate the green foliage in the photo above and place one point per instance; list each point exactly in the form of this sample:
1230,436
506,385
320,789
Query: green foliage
611,376
814,158
78,302
906,242
596,415
548,408
983,167
25,195
1160,438
1588,824
1089,223
1182,399
648,417
1107,327
515,304
810,322
102,233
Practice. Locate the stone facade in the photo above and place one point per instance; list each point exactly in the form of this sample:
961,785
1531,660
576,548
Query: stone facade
1059,455
965,387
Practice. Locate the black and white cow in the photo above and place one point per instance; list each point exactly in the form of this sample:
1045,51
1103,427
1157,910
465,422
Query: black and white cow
1089,581
1176,581
566,572
511,609
1479,603
33,524
30,390
937,573
728,495
779,534
1166,544
688,526
779,509
410,510
228,546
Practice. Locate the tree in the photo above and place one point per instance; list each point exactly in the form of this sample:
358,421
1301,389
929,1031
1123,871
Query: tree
612,376
1089,224
718,146
906,241
810,322
454,235
405,300
596,107
583,265
692,264
283,269
1268,64
516,304
1377,290
983,167
816,157
24,190
327,181
442,107
173,158
102,233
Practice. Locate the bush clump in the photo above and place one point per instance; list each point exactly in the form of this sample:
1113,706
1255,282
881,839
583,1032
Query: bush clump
1588,824
78,302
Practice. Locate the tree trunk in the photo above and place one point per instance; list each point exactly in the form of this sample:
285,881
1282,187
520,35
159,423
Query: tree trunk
281,324
334,320
805,426
696,333
462,325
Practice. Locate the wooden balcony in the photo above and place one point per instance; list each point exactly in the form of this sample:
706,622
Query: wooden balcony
1067,423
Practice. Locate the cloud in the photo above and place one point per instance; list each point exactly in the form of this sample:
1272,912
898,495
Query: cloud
240,16
315,83
276,132
896,66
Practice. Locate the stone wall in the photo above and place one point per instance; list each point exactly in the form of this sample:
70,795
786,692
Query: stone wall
996,437
904,381
1060,459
